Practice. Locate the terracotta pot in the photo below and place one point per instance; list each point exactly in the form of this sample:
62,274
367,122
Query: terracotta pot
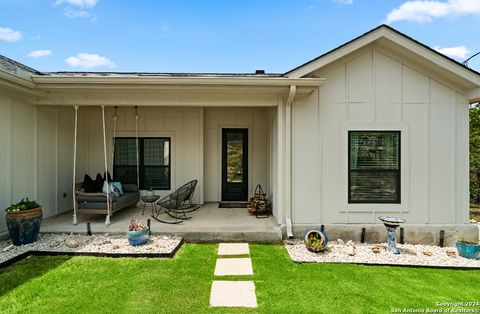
24,225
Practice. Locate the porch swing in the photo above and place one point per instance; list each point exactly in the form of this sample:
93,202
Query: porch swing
103,202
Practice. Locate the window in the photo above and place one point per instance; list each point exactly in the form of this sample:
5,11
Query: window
374,167
154,162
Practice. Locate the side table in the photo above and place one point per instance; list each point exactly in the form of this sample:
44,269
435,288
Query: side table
149,199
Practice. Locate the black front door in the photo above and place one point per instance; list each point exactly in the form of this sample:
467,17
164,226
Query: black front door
234,164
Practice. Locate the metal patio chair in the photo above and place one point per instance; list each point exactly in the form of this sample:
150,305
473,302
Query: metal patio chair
188,206
177,204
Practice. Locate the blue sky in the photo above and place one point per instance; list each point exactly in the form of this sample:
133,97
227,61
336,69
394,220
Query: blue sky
218,36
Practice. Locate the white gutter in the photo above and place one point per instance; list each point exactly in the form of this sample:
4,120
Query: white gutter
288,159
112,81
194,80
19,85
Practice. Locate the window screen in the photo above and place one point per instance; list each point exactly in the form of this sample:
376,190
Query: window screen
154,162
374,167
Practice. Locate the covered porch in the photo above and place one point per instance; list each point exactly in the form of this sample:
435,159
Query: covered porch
208,223
190,114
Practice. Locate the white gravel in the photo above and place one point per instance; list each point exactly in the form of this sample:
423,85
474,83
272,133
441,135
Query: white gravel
111,244
422,255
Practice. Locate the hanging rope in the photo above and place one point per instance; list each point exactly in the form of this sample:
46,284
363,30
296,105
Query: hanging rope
136,142
74,166
114,133
107,220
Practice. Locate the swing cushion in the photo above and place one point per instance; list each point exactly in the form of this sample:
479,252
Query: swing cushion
86,200
89,185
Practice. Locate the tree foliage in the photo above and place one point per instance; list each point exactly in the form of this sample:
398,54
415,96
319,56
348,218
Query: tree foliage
475,153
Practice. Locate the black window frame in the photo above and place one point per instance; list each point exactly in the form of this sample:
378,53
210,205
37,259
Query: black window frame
141,166
398,171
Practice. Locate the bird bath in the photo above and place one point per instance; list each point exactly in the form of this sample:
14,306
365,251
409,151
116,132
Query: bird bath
391,223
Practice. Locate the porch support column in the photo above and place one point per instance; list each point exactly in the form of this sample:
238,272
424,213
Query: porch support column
288,160
279,191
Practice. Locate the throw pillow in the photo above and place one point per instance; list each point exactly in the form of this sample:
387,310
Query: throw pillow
118,185
106,188
110,188
107,176
115,190
89,185
99,182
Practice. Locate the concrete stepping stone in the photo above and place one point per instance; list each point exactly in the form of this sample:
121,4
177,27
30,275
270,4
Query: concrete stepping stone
233,266
233,249
233,294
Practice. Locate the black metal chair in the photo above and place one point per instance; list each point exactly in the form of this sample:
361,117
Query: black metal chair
188,206
175,205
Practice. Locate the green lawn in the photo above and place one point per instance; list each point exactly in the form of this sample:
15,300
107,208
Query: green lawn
182,285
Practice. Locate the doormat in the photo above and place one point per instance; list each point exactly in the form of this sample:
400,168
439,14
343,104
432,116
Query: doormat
233,205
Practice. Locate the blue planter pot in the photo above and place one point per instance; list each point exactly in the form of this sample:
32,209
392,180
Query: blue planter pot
24,225
471,251
138,237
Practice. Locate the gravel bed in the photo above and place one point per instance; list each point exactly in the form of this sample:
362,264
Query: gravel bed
106,243
415,255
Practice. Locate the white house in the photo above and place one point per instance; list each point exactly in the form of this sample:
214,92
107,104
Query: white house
377,126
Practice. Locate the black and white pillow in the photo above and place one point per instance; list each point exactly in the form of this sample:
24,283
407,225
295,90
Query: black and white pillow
110,188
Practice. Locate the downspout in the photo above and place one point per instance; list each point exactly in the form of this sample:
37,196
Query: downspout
288,159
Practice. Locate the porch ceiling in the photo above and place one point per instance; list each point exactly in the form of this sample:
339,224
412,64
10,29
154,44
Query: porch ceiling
168,91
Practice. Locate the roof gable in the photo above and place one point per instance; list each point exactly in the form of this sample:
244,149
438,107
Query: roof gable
383,32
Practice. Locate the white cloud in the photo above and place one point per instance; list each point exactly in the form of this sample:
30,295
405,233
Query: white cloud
424,11
88,61
8,34
39,53
73,14
344,1
80,3
459,52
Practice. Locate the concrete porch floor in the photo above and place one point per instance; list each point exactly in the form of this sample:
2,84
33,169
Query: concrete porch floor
208,224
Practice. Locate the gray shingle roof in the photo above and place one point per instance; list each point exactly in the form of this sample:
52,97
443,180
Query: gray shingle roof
17,68
163,74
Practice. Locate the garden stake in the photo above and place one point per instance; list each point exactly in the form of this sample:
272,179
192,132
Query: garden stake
442,235
362,239
402,236
89,230
149,229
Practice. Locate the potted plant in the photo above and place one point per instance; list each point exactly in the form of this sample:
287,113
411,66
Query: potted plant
23,221
316,241
468,249
137,232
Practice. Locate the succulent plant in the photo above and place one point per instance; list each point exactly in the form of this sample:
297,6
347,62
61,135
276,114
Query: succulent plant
24,204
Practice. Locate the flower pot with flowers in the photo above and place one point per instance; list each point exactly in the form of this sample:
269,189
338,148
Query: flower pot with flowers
137,232
316,241
23,221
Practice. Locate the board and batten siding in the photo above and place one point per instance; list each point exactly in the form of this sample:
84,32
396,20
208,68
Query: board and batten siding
256,120
35,155
183,125
372,91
